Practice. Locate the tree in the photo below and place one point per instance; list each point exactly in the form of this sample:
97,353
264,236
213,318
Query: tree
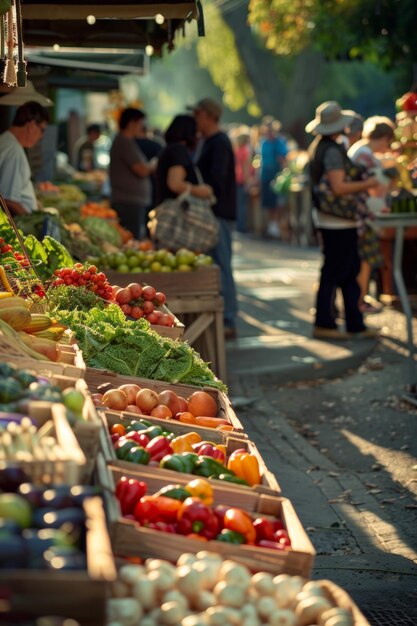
381,31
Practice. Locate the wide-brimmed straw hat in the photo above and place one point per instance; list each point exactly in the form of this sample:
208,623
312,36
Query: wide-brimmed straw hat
21,95
330,119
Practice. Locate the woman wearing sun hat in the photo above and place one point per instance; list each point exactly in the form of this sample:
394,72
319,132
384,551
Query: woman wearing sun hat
329,163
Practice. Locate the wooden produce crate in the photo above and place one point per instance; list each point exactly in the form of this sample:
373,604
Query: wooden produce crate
45,368
340,598
130,539
204,280
269,485
202,316
70,356
79,595
69,468
96,377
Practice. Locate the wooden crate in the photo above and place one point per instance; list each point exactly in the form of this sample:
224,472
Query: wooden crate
269,484
130,539
79,595
70,468
202,317
204,280
96,377
46,368
340,598
70,356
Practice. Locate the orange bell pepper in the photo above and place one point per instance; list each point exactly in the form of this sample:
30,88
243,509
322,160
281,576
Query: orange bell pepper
240,522
245,466
200,488
181,444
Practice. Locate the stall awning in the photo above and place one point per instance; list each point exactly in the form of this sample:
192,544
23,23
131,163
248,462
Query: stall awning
107,9
95,60
125,24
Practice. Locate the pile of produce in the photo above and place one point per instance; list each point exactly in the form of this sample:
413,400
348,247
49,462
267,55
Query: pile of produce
188,511
138,301
145,443
200,408
204,589
135,260
109,341
42,528
20,387
66,198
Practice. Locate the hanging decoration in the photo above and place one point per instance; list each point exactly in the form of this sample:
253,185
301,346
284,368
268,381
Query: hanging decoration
12,72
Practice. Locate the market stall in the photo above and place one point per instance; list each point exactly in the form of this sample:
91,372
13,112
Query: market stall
133,499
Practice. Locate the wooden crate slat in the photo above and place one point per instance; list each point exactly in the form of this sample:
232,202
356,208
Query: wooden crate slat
203,280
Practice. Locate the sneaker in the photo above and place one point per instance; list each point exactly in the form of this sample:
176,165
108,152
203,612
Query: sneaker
330,333
371,305
367,333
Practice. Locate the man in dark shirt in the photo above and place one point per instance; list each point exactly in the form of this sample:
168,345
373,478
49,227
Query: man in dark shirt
217,166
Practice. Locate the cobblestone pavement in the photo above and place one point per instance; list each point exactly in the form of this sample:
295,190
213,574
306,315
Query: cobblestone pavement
344,448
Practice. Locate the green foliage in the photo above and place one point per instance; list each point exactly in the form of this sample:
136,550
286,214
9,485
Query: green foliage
381,32
217,52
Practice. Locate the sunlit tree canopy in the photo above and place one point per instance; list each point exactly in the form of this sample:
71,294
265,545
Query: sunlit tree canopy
382,31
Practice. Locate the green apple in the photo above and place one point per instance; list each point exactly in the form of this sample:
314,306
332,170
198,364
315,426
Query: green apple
123,268
73,400
155,266
16,508
184,268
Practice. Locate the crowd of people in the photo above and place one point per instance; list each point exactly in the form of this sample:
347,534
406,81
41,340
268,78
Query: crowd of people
196,156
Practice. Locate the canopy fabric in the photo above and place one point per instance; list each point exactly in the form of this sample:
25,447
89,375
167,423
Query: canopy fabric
133,63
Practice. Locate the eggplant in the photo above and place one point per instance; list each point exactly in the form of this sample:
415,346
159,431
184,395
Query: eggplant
53,499
13,552
38,541
11,478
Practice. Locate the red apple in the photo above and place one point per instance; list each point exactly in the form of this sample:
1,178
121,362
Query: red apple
170,399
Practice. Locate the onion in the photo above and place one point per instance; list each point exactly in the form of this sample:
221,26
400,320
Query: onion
131,391
146,400
170,399
115,399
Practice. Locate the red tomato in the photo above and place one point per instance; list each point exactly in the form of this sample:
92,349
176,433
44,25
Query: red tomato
152,318
136,312
135,290
148,293
126,308
123,296
148,307
160,298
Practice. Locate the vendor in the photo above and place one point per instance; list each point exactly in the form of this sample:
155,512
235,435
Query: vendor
28,126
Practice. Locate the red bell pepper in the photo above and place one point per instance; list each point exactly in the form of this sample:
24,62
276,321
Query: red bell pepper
264,529
158,448
219,512
277,524
207,449
195,517
146,510
115,437
128,492
139,437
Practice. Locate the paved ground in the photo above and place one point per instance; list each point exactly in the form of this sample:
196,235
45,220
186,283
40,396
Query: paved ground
343,444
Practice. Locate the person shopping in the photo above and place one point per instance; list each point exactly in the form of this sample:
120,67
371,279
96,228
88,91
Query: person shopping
330,167
175,173
28,127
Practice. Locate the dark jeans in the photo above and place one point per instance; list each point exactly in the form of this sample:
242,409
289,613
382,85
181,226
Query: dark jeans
340,269
133,217
242,209
222,255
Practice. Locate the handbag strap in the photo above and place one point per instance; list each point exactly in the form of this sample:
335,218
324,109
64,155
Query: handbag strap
200,179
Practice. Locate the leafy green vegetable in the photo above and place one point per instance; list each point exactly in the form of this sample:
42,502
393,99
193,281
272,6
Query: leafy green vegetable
132,348
100,230
58,255
69,297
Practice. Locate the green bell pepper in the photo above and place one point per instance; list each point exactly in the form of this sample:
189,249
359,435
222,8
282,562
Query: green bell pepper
229,478
230,536
184,462
135,425
153,431
176,492
123,450
208,467
138,455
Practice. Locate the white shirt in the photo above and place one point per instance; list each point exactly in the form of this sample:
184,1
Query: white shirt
15,182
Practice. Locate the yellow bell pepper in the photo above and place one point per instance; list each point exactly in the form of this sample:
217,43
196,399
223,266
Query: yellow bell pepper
200,488
192,437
